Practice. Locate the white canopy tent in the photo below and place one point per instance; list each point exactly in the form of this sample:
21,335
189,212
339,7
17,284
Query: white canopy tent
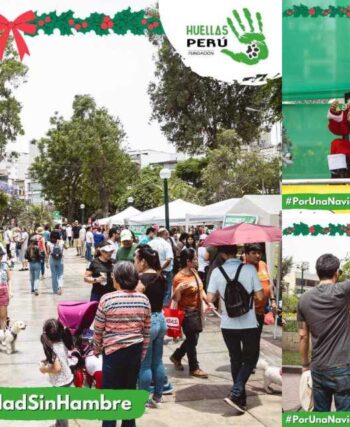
266,207
119,218
177,214
212,213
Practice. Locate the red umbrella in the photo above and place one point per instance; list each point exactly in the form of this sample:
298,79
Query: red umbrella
243,233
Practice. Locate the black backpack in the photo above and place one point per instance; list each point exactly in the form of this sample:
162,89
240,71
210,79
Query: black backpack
56,252
237,300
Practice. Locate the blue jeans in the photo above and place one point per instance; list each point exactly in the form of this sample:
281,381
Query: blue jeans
56,266
328,383
88,255
243,348
169,285
119,372
152,366
42,267
34,269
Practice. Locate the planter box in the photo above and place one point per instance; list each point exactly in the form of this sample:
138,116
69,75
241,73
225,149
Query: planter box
290,341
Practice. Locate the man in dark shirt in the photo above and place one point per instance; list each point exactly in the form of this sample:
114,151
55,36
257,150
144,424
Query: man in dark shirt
323,312
75,231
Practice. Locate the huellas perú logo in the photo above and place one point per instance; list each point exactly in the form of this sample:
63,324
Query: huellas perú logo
246,35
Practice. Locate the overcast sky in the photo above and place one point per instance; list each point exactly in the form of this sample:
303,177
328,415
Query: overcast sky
115,70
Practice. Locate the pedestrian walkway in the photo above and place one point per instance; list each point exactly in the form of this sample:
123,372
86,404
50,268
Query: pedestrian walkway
196,402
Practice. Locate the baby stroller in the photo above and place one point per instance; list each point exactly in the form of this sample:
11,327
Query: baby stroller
78,316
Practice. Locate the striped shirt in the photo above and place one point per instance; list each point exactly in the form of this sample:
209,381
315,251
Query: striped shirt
123,318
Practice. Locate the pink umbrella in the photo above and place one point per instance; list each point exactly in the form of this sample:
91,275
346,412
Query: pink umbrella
243,233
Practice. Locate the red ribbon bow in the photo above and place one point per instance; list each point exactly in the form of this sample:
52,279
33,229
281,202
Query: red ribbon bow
20,24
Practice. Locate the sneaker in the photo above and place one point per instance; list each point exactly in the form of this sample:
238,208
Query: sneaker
168,389
155,403
36,293
235,403
199,373
177,363
32,291
59,292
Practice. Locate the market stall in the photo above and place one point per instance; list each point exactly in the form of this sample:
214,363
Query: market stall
177,213
119,218
211,214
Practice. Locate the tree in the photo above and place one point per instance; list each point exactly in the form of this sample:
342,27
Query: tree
147,190
192,109
33,215
190,171
232,173
81,161
286,267
12,74
11,209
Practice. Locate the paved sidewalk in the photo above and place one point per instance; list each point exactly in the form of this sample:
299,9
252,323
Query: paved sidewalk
195,402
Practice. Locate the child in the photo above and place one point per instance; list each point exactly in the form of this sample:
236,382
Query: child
56,341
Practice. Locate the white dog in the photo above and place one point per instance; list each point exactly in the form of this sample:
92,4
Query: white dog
9,336
272,374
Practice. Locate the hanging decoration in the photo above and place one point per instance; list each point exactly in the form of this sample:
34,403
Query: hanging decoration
303,11
303,229
31,23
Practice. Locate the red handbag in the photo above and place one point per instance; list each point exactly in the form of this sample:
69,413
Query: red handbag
174,319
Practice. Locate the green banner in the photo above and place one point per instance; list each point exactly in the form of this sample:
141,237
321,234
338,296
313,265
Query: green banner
310,419
307,129
316,54
71,403
232,219
328,202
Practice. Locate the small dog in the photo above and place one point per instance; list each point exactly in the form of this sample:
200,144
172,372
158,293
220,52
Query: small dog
272,375
9,336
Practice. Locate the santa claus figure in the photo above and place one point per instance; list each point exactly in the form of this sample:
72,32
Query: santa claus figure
339,124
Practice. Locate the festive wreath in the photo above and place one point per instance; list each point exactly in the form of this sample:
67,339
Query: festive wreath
33,23
305,11
302,229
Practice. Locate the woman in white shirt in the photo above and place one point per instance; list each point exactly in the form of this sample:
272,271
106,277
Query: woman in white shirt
203,259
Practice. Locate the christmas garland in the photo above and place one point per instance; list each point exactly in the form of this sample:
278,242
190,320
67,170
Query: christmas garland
137,23
302,229
317,11
32,24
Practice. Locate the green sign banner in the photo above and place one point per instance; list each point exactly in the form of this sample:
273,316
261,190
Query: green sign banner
71,403
328,202
232,219
56,215
310,419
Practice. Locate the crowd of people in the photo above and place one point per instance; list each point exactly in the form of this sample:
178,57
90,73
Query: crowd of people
133,280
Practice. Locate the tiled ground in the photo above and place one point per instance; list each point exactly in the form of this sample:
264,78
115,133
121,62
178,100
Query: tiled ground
195,402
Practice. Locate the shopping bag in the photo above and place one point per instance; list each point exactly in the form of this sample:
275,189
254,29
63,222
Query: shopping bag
269,318
174,319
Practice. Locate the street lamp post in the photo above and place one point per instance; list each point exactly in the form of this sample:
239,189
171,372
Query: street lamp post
82,207
304,266
130,201
165,174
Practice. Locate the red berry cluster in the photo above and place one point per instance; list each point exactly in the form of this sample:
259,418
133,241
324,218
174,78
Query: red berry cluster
107,23
150,26
78,27
46,20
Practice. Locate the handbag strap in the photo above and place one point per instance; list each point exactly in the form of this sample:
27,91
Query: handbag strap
198,291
